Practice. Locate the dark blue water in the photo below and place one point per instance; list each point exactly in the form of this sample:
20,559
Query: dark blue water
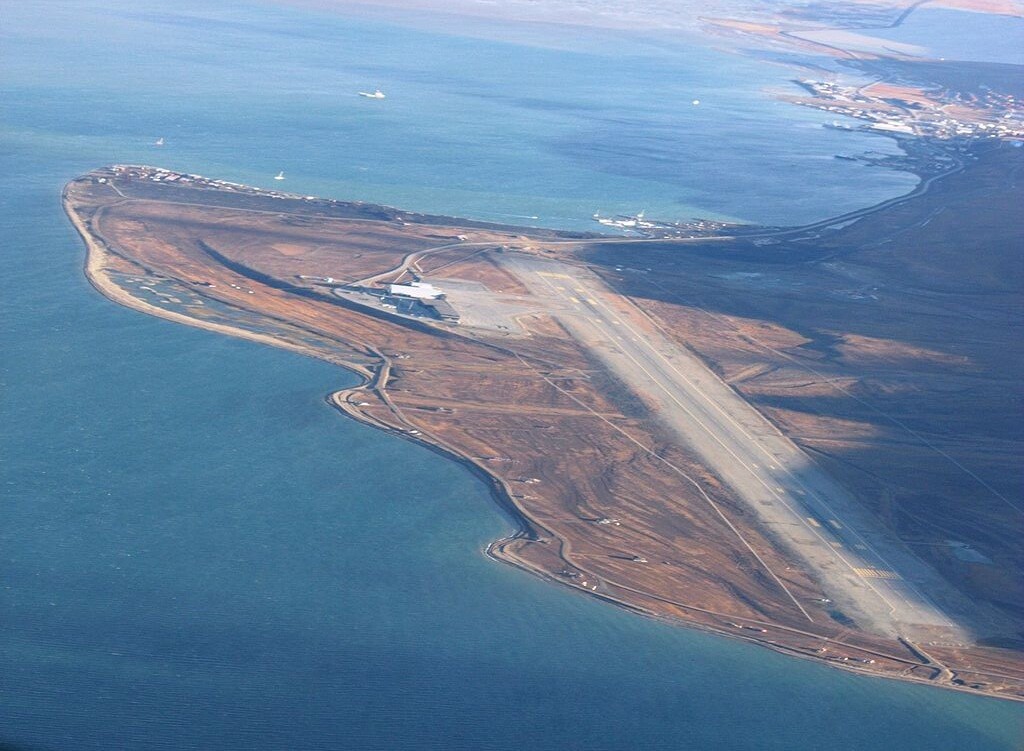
196,553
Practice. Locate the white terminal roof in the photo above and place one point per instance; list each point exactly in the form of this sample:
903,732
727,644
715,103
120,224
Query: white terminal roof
419,290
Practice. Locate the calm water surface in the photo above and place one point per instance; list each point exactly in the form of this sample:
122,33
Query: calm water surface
196,553
959,35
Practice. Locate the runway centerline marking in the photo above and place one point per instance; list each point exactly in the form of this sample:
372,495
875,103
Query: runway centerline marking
814,495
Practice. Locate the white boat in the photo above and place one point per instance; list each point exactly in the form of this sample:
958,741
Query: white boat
377,94
159,142
279,176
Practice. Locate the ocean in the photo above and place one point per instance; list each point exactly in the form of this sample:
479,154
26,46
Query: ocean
197,553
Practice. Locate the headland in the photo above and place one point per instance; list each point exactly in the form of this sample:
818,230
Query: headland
767,433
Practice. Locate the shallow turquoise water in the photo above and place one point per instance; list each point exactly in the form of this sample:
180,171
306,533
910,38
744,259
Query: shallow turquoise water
197,553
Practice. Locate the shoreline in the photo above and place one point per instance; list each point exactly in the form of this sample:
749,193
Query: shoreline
95,255
527,528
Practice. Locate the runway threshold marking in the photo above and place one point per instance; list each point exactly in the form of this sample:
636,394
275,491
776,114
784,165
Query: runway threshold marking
876,573
553,274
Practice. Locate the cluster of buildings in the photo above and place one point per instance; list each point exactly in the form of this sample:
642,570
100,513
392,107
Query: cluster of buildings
996,114
637,224
161,175
419,299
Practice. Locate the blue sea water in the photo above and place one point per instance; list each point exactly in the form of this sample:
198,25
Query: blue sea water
196,553
470,126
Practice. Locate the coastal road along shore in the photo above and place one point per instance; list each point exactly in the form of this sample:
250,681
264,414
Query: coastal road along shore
865,571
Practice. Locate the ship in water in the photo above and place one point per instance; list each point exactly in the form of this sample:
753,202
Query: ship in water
159,141
377,94
279,176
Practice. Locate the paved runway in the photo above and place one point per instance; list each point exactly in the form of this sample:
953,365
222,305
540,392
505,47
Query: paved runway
868,574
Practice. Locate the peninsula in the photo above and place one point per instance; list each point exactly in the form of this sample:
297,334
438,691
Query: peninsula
800,437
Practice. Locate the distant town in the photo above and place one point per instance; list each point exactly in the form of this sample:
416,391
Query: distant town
992,115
